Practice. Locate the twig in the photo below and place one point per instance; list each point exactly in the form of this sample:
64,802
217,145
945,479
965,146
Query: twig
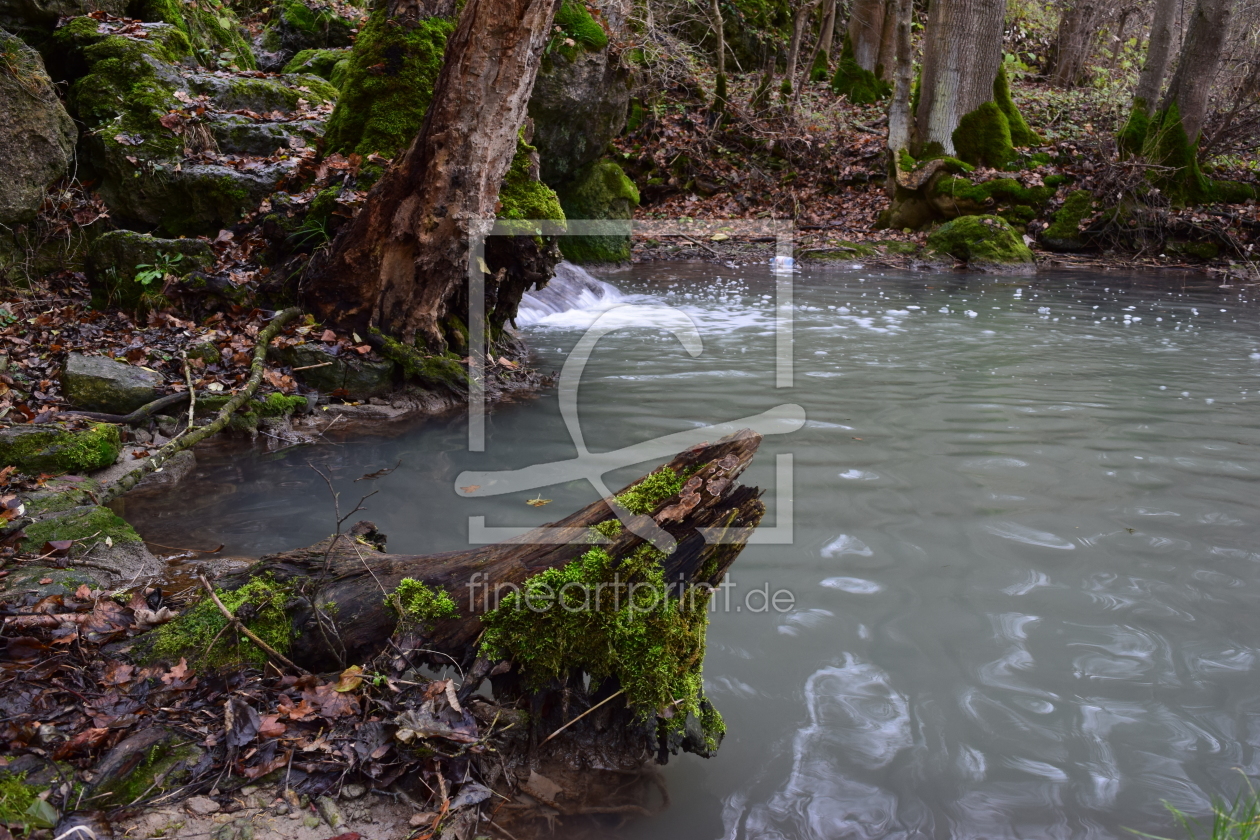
584,714
312,367
249,634
192,392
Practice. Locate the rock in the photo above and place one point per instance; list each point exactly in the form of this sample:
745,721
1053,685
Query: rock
599,191
115,258
329,811
103,541
240,135
213,31
1063,233
300,26
327,64
59,581
34,20
983,242
202,806
360,378
175,470
37,136
98,383
262,96
47,448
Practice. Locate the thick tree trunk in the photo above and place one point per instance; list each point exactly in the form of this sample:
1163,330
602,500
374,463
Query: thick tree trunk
866,28
961,56
402,264
356,578
1076,39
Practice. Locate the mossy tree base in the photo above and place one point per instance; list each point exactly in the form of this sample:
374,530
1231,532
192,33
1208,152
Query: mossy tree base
983,242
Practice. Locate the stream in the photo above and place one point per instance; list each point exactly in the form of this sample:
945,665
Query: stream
1024,549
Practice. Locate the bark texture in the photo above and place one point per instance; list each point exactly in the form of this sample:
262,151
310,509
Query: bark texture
1198,65
1158,52
401,264
900,119
1076,40
963,47
866,28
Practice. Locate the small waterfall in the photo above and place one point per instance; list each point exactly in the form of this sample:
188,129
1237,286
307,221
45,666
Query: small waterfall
573,288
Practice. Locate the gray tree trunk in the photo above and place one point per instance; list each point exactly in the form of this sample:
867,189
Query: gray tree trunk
887,42
866,26
1198,65
827,34
900,129
800,18
1158,51
962,51
1076,39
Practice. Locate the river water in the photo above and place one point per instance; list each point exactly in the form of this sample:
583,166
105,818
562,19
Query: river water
1024,539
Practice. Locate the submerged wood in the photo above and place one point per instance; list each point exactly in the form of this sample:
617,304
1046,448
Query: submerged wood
347,571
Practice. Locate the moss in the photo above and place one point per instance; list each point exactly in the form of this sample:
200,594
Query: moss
388,85
522,196
821,70
210,27
280,405
163,767
17,798
53,450
1132,138
577,25
86,525
655,488
896,246
613,619
1168,145
320,62
980,241
442,370
1205,251
600,190
1021,134
1232,192
419,605
1057,180
1064,230
983,137
1005,196
201,633
862,87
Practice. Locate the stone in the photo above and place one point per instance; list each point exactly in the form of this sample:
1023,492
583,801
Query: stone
50,449
262,96
600,190
176,469
34,20
353,790
202,806
98,383
300,26
359,378
115,258
237,134
983,242
37,136
329,811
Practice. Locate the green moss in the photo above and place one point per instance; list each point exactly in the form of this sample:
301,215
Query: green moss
862,87
1064,230
210,27
419,605
655,488
1005,196
17,799
1132,138
611,619
1168,145
86,525
388,85
1232,192
442,370
1021,134
821,70
163,767
53,450
609,529
981,241
600,190
1057,180
201,633
983,137
577,25
280,405
320,62
524,197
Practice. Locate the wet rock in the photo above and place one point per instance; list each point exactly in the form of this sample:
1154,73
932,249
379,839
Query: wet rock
202,806
329,811
37,136
175,470
47,448
359,378
599,191
103,543
98,383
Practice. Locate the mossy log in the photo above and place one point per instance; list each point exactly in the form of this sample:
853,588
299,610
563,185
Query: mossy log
351,581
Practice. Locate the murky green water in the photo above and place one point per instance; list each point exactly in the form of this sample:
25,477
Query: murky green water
1025,555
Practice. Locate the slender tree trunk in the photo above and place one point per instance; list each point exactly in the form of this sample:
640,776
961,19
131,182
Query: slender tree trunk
1077,37
820,64
866,28
900,119
402,264
799,21
961,56
1158,52
887,43
719,35
1117,46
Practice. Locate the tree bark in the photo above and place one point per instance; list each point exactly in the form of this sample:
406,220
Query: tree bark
1158,51
799,19
820,63
900,119
1076,39
866,28
401,265
719,35
345,572
961,55
887,43
1198,64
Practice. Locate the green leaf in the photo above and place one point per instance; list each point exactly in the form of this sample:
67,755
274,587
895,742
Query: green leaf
41,814
225,23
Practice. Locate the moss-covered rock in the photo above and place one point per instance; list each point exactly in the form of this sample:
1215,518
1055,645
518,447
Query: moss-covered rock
212,30
954,196
34,20
118,258
84,525
37,136
983,242
348,374
1063,233
50,449
983,137
388,84
523,196
236,134
434,371
99,383
601,191
862,87
297,26
263,95
330,65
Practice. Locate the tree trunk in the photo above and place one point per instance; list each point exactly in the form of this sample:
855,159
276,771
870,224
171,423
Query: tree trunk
866,28
1132,137
719,35
1077,36
961,55
1173,137
820,65
900,119
887,43
799,19
357,579
401,265
1117,45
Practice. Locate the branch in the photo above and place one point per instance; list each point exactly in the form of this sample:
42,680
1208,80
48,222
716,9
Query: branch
141,414
249,634
155,461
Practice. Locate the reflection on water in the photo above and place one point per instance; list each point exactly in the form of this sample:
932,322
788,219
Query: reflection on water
1026,541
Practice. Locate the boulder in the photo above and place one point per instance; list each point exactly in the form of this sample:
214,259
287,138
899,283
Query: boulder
983,242
34,20
299,26
236,134
98,383
601,190
232,93
106,548
50,449
327,64
37,136
115,259
359,378
212,30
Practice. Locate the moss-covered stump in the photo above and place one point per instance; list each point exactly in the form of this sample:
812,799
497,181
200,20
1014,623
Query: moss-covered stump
330,65
601,191
99,383
297,26
346,375
37,136
983,242
1064,233
212,31
47,448
388,84
128,269
862,87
